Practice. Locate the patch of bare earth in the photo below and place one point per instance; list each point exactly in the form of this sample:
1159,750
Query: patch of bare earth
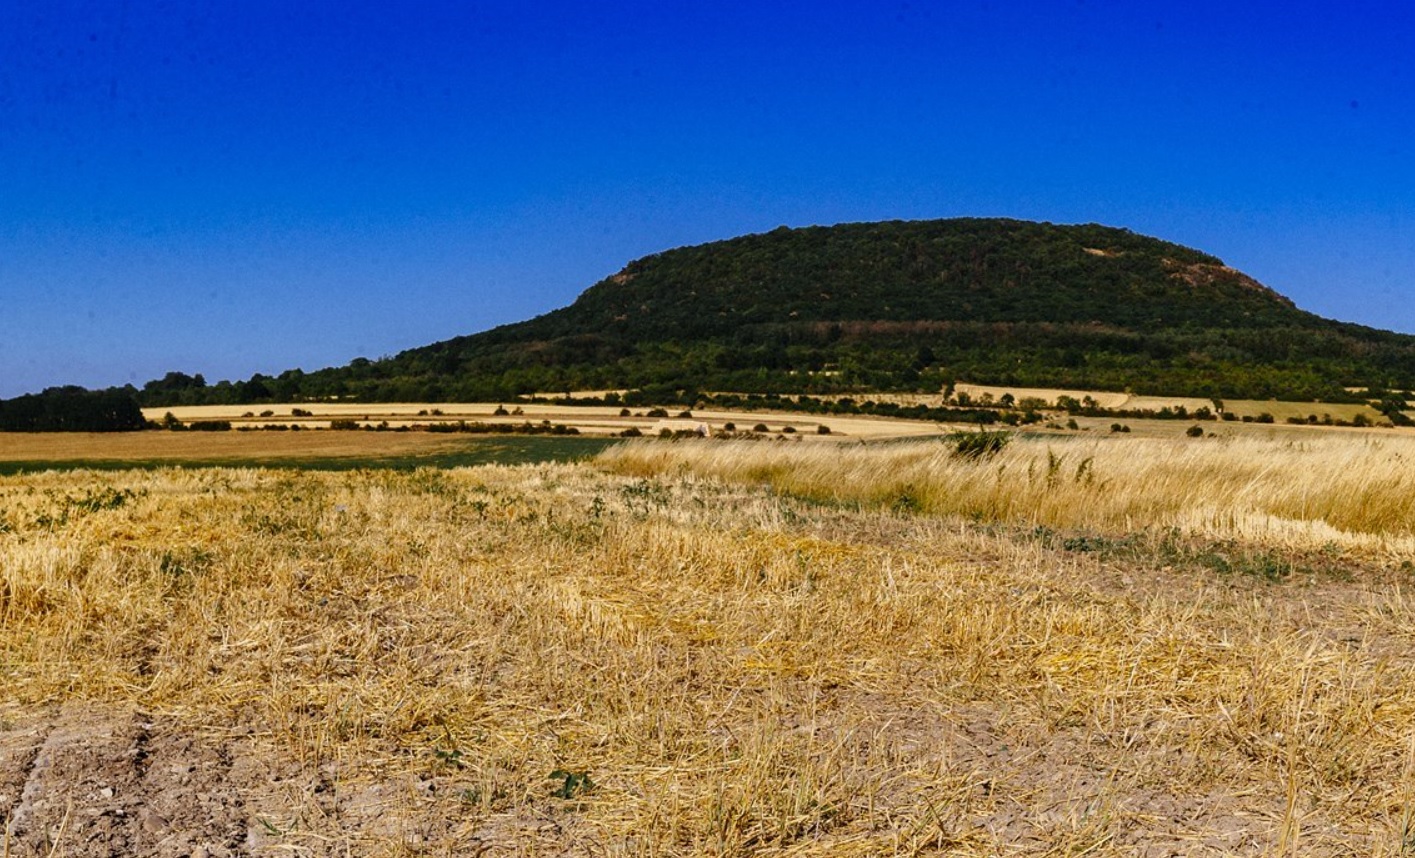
86,781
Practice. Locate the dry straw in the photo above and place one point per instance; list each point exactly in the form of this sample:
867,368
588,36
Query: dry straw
716,669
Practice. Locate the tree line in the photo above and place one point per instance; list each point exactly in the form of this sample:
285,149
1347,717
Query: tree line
72,409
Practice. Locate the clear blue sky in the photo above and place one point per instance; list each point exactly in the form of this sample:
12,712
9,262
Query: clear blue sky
239,187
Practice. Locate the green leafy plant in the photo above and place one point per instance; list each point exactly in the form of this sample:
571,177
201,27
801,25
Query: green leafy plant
571,784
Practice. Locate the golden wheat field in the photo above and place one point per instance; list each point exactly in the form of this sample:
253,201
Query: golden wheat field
1101,647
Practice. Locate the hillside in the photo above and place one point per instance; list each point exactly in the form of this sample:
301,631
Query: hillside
891,306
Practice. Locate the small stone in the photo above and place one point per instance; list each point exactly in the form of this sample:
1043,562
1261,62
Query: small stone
106,792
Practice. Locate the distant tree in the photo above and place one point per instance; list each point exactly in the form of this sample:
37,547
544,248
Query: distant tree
73,409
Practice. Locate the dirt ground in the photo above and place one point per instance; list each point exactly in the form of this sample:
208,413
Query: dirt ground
88,782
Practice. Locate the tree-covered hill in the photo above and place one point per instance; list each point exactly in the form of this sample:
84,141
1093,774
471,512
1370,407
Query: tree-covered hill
890,306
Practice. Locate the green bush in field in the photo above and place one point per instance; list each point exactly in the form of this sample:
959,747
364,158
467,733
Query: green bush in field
979,445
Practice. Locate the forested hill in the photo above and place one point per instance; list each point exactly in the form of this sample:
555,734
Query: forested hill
890,306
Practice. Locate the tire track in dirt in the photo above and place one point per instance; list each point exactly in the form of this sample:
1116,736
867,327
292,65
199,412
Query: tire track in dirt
19,751
91,783
81,790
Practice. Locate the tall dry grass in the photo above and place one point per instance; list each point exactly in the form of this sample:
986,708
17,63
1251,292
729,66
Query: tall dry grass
1350,492
738,673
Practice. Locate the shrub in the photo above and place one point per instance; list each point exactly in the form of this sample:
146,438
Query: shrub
760,427
344,424
1119,427
822,429
1195,431
656,412
300,412
979,445
729,427
631,432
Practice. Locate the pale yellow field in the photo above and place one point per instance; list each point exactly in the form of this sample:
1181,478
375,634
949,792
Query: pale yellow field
1111,647
1283,410
591,420
1125,401
1049,395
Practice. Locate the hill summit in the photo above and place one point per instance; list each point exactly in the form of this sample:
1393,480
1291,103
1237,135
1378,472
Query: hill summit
903,305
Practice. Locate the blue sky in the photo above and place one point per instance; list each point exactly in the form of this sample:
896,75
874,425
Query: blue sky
239,187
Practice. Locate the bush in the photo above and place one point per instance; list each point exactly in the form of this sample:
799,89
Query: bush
344,424
760,427
631,432
729,427
300,412
979,445
1119,427
822,429
1195,431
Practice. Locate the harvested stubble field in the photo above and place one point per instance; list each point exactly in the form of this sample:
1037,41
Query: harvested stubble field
1118,647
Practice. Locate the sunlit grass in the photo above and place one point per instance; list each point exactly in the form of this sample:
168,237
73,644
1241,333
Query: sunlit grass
1346,491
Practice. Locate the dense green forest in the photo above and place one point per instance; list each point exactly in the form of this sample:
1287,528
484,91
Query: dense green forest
72,409
895,306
